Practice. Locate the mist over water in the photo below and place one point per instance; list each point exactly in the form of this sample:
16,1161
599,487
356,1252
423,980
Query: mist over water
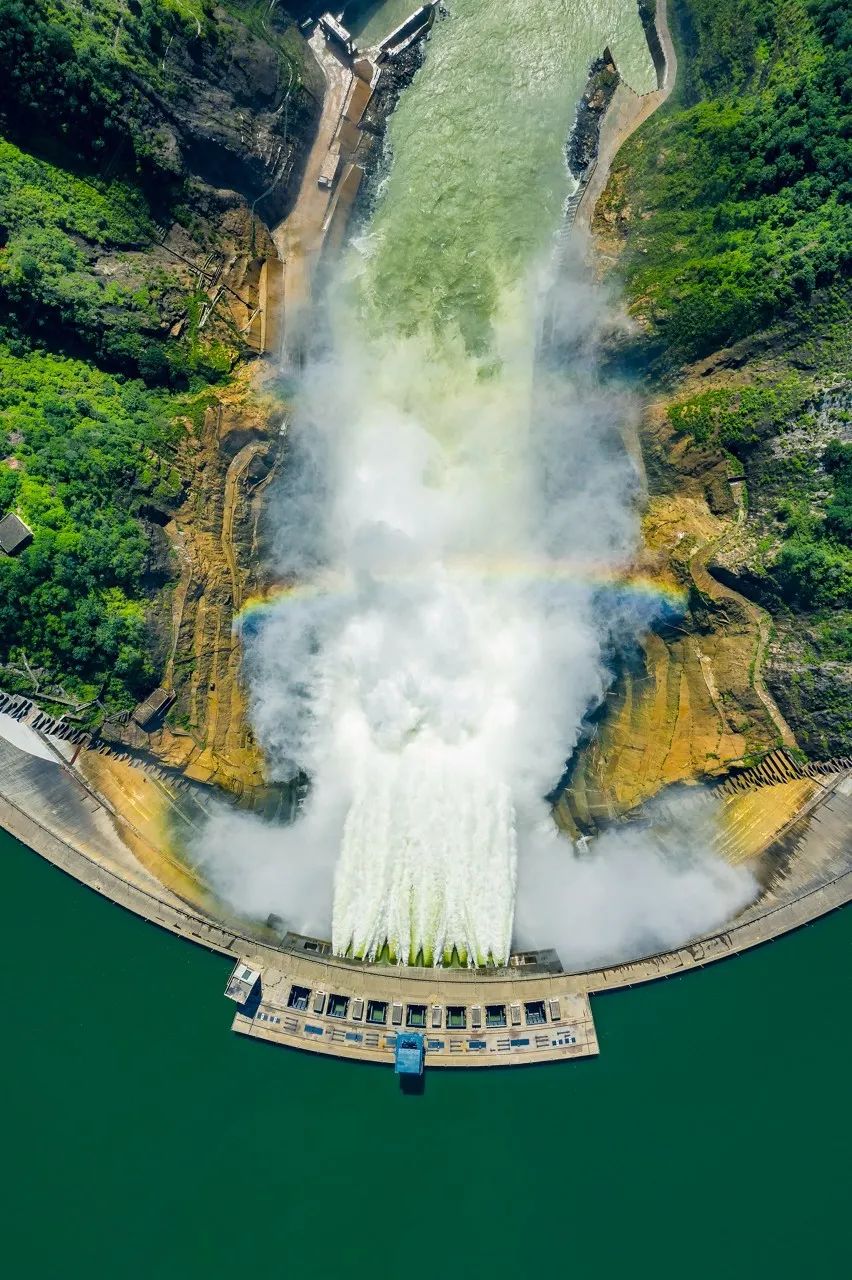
458,498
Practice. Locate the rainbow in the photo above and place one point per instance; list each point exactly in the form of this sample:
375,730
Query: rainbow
661,598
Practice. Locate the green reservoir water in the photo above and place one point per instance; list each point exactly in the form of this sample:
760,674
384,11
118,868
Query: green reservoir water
371,20
142,1138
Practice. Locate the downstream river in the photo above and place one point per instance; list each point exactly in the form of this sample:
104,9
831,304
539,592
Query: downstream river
143,1139
463,501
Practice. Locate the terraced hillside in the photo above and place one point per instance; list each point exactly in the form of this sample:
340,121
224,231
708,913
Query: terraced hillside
726,218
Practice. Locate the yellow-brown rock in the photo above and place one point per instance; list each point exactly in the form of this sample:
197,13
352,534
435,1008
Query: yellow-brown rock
700,705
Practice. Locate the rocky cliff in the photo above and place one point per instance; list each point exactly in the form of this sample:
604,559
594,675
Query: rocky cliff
722,229
146,151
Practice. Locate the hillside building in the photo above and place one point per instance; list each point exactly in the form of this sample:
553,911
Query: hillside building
14,534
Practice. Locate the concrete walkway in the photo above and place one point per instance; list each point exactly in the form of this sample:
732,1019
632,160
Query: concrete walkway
626,112
299,238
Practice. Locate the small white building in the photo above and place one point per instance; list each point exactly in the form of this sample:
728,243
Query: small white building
242,982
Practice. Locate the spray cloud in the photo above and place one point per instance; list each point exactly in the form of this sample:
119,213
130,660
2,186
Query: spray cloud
452,447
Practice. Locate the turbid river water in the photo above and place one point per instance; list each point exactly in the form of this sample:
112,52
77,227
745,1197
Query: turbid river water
141,1138
460,509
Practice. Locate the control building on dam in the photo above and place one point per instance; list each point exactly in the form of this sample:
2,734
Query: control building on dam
528,1012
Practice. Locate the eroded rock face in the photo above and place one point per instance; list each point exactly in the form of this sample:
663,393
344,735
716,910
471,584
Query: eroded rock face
208,736
815,697
208,554
690,706
239,111
235,122
719,521
583,142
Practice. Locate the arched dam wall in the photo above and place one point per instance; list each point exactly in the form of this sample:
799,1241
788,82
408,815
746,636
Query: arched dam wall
46,805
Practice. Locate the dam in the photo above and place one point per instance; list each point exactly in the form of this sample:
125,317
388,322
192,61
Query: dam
302,996
443,786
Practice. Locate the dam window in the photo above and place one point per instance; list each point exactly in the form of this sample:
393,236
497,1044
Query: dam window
416,1015
377,1012
456,1017
495,1015
299,997
535,1013
338,1006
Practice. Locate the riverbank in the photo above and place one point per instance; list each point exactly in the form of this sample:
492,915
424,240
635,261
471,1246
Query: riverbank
627,110
739,299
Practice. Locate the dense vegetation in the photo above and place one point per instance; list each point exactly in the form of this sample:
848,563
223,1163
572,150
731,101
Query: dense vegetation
100,350
749,172
53,293
733,204
79,78
789,438
90,450
804,485
814,567
749,175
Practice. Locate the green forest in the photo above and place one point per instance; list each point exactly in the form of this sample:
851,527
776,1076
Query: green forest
743,181
747,174
101,359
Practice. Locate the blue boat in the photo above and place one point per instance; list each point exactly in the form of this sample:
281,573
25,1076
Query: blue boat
409,1054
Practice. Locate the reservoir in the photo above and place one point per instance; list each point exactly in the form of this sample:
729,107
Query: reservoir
141,1138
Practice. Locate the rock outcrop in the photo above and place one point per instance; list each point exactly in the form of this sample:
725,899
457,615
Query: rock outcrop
696,703
230,452
238,108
